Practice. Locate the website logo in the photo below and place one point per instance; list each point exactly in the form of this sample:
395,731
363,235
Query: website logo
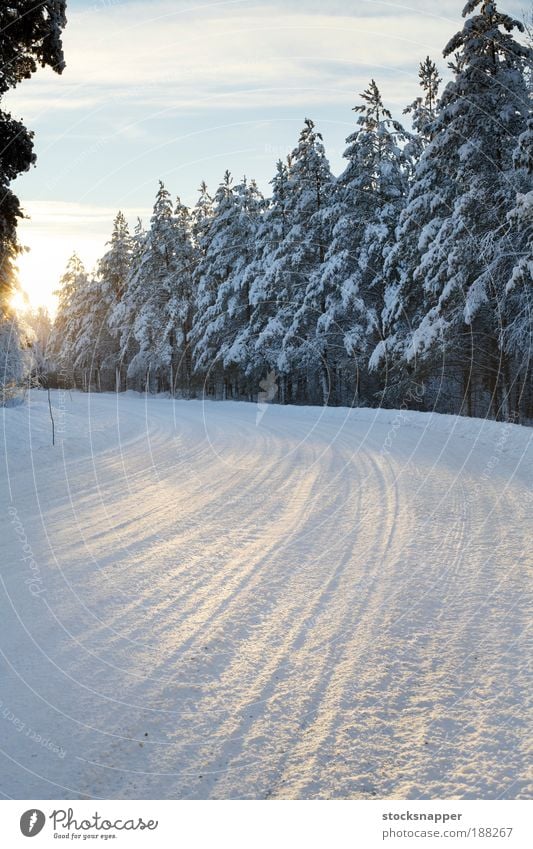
32,822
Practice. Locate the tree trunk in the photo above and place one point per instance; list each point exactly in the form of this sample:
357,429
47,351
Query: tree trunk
324,385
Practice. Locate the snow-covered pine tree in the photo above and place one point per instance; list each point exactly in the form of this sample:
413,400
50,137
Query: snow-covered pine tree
201,214
370,193
429,196
142,307
218,246
463,190
423,109
107,291
231,312
156,303
12,362
297,213
72,305
113,268
122,317
12,367
518,305
38,328
483,111
273,226
93,345
181,304
308,240
97,344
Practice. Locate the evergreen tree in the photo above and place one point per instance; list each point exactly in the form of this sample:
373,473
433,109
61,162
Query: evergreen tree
308,241
231,312
371,192
38,327
180,306
463,190
429,197
106,292
68,323
219,248
482,113
156,302
93,346
260,277
12,365
297,214
201,214
517,316
113,268
122,318
424,108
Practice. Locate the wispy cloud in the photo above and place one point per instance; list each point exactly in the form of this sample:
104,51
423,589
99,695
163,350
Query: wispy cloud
175,58
44,215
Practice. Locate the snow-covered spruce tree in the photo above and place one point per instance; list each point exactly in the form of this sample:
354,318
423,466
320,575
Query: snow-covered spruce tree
12,363
157,301
97,345
101,339
30,35
122,317
218,247
423,109
201,213
93,346
273,226
181,304
96,350
286,271
518,305
231,312
38,330
347,295
430,195
73,299
308,240
114,267
464,187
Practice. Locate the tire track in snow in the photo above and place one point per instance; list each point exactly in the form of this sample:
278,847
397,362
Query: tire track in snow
310,633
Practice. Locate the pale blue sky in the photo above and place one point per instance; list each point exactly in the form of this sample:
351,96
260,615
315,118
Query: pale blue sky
183,90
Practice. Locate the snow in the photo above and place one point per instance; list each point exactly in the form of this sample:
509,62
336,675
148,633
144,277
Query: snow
313,602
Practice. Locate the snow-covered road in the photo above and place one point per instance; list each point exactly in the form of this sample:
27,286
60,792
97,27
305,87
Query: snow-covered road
219,601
